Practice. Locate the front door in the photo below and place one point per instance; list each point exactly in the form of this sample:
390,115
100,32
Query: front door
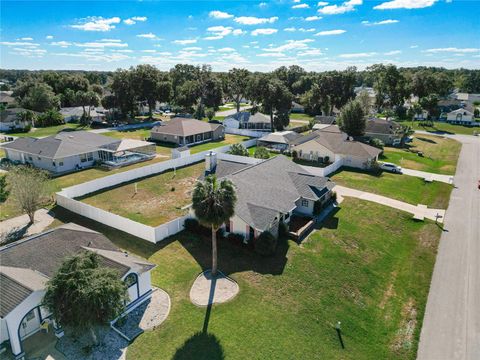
30,323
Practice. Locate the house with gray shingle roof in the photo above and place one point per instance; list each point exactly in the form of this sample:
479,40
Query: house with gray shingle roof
74,150
388,131
75,113
249,121
26,266
270,192
331,144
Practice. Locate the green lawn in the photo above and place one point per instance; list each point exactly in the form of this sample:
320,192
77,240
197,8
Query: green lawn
229,139
51,130
440,154
251,151
443,127
405,188
159,198
141,134
296,116
372,275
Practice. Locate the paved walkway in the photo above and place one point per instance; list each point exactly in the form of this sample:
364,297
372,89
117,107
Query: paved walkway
451,325
43,218
418,211
207,290
428,175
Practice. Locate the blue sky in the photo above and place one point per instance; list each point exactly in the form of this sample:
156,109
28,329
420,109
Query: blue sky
317,35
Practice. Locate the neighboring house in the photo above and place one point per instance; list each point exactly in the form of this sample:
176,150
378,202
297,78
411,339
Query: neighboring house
74,150
26,266
6,98
422,116
245,120
331,144
297,108
269,193
75,113
279,140
461,117
9,119
325,120
388,131
186,131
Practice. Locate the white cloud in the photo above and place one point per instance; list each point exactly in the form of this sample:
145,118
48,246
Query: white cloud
452,50
129,22
296,1
290,29
18,43
405,4
185,41
49,37
271,55
139,18
290,45
25,39
413,46
262,4
216,14
313,18
149,51
357,55
28,52
62,44
322,3
330,32
226,49
192,48
310,52
148,36
347,6
220,30
393,52
301,6
102,44
383,22
267,31
213,37
97,24
251,20
237,32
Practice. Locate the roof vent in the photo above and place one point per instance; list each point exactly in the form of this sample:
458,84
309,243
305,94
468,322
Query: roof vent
125,253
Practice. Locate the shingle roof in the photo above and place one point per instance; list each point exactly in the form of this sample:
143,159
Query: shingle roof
381,126
336,141
185,127
280,137
27,264
329,120
64,144
271,187
225,167
461,111
247,117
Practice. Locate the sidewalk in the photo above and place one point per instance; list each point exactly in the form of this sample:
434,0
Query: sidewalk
43,218
448,179
418,211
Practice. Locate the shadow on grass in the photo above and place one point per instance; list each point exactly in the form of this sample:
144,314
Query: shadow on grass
426,140
201,346
356,170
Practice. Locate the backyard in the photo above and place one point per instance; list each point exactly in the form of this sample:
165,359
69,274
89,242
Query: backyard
440,154
50,130
405,188
372,275
158,199
443,127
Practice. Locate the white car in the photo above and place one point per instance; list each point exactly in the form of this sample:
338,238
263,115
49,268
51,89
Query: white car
391,168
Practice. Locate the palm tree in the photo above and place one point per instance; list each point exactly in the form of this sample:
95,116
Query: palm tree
214,204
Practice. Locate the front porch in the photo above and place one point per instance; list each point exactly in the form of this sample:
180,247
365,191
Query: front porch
195,139
40,345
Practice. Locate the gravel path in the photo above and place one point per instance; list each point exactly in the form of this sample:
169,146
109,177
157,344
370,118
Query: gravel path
207,290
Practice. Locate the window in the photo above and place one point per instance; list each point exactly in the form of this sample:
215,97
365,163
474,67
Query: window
131,279
304,203
90,156
60,163
83,157
30,158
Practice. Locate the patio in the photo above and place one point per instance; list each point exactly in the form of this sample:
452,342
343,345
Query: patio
300,226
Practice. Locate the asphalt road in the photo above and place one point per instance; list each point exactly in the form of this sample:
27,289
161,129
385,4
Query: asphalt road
451,326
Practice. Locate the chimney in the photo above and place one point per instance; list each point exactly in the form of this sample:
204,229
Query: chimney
210,162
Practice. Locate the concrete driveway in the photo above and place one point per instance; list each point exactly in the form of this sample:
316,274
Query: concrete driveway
451,326
428,175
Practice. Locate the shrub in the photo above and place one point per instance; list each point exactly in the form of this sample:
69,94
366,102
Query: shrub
236,238
294,155
261,153
238,149
265,244
377,143
191,225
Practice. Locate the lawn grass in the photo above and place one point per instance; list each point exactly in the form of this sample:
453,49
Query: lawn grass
405,188
444,127
251,151
159,198
440,154
372,275
229,139
51,130
297,116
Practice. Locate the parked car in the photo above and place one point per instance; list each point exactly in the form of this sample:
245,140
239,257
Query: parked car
391,168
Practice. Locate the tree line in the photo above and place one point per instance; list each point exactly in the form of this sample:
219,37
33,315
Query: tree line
200,91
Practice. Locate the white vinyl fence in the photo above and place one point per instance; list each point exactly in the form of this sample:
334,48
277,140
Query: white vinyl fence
245,132
66,197
326,170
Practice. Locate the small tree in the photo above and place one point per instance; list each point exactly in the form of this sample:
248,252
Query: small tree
83,295
238,149
3,189
214,204
352,119
210,114
377,143
29,189
261,152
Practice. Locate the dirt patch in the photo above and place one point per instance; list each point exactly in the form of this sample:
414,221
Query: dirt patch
389,292
404,338
428,238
